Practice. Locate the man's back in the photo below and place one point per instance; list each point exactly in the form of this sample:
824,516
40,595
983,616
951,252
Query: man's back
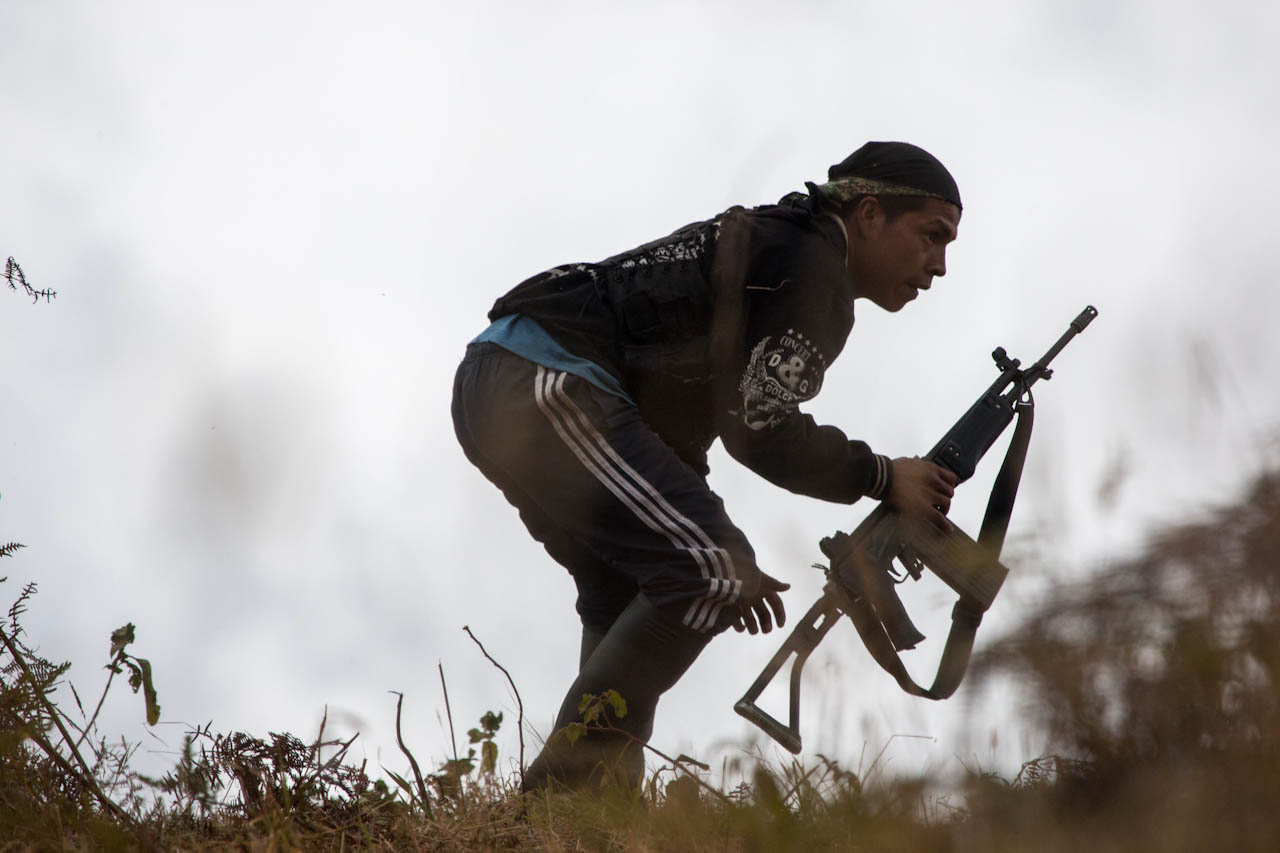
647,316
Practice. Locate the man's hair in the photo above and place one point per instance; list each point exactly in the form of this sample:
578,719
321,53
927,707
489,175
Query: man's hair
892,205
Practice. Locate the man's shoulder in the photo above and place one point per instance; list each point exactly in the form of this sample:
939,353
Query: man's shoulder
795,244
795,224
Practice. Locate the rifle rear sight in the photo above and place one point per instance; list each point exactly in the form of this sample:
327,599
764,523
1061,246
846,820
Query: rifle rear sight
1003,362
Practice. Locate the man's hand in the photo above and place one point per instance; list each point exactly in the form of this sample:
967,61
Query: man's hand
922,491
757,608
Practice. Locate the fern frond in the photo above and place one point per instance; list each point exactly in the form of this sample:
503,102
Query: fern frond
20,606
14,274
8,549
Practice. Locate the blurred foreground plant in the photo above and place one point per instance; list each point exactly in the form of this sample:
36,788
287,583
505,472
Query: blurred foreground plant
1159,684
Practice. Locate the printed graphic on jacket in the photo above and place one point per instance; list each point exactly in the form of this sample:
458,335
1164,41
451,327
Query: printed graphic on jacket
782,373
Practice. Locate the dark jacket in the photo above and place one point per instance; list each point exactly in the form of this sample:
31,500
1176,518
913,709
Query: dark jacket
723,328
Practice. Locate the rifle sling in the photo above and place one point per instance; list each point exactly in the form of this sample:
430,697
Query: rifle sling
955,655
1004,491
966,616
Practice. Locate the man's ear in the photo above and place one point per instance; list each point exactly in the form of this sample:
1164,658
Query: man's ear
867,217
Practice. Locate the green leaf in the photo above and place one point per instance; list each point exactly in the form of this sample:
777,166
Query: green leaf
573,731
490,722
476,735
135,675
403,783
149,692
120,638
456,768
488,757
619,704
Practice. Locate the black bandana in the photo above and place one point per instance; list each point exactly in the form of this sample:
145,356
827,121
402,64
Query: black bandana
889,168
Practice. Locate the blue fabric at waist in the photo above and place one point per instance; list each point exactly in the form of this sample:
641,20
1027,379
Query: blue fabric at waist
524,337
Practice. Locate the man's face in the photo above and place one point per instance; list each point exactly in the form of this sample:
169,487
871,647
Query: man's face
890,262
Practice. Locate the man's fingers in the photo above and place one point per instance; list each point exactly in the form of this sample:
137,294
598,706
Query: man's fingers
762,613
946,476
779,612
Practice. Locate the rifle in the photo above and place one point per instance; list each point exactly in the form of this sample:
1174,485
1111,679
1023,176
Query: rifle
861,575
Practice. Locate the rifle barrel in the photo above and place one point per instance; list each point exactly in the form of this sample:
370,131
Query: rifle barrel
1041,368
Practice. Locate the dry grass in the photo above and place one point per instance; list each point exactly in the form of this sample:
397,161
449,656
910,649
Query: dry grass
1157,681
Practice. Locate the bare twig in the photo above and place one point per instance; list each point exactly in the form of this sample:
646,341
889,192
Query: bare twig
319,742
413,762
318,761
457,768
679,765
89,726
519,703
876,763
448,712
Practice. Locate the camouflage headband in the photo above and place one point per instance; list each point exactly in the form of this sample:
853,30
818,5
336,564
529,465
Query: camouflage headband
889,168
843,190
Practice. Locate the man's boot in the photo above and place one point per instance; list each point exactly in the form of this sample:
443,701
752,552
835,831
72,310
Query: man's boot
641,657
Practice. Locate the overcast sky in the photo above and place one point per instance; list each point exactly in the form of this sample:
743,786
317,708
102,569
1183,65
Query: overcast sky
273,227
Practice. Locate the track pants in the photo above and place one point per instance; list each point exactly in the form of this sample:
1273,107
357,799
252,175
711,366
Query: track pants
638,529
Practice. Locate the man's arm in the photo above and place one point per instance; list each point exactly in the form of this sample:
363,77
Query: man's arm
797,454
790,307
766,431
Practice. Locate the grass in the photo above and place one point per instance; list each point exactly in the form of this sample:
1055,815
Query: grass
1156,680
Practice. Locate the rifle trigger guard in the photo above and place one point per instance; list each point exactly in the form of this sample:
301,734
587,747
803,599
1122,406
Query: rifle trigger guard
911,562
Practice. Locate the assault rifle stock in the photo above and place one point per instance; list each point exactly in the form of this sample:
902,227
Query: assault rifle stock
861,575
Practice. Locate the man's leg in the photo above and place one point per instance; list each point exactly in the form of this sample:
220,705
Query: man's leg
603,591
595,471
648,650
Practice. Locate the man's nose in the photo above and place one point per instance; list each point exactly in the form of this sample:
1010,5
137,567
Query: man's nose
937,264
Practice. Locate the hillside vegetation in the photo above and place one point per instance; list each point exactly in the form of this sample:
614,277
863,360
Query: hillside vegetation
1157,681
